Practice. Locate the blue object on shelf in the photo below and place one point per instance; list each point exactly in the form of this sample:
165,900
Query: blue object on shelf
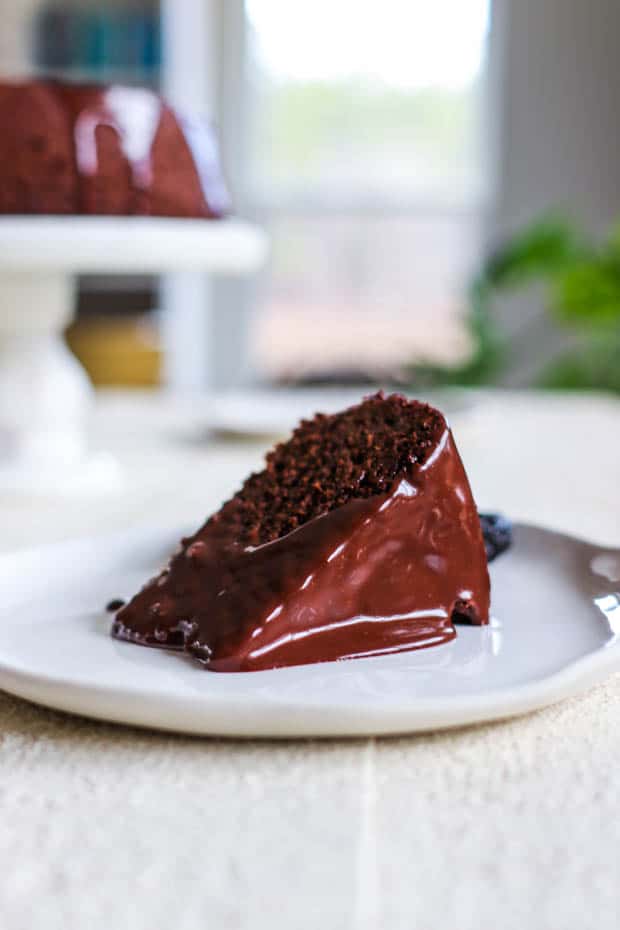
99,45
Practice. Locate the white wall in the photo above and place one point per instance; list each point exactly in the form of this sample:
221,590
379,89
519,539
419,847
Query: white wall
16,18
206,323
188,82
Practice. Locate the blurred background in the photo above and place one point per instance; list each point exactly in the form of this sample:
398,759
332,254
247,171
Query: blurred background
439,182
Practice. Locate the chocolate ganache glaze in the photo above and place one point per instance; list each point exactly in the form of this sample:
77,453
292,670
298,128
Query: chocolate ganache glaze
379,574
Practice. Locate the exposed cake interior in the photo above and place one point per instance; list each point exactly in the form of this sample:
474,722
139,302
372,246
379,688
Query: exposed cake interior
359,537
331,460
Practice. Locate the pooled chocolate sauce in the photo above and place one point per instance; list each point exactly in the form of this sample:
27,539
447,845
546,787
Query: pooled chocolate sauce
384,574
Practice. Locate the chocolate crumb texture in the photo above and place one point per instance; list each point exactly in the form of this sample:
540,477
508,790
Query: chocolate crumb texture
329,461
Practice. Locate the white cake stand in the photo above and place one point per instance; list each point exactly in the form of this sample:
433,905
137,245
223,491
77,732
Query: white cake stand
45,396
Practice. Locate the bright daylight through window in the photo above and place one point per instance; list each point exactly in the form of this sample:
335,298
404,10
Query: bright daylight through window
368,167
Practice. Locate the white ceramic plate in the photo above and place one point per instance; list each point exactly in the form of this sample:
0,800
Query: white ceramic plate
556,606
275,412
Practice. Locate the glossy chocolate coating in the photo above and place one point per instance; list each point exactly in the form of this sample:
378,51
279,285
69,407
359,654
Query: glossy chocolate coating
384,574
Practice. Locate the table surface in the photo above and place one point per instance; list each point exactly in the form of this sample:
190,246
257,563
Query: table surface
509,825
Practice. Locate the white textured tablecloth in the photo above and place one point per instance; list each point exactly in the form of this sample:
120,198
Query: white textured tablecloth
512,825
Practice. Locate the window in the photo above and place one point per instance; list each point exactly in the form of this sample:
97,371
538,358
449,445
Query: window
365,160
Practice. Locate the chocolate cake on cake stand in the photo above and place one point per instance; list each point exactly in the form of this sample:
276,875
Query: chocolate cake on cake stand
45,395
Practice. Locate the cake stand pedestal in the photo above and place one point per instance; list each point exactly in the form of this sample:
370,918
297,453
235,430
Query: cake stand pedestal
45,395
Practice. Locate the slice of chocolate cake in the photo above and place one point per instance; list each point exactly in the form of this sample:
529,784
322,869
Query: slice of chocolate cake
360,537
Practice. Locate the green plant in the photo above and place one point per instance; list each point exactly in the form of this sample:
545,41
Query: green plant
582,281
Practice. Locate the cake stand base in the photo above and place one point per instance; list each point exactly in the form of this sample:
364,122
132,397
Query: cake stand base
45,396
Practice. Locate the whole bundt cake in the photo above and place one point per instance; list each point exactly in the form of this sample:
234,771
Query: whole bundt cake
104,150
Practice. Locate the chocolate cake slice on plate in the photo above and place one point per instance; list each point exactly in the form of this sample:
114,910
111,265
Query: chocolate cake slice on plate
360,537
